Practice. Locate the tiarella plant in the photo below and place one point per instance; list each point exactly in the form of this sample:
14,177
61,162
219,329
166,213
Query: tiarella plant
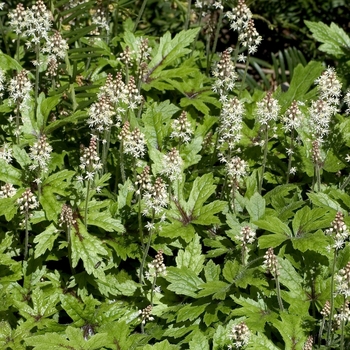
154,196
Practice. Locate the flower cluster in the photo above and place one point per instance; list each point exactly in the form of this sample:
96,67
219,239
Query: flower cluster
326,310
172,164
270,262
329,86
308,344
20,87
320,114
7,191
156,197
339,231
347,101
267,109
90,160
241,21
250,38
181,128
342,280
236,170
133,141
56,47
40,153
156,267
146,314
247,236
231,122
36,23
101,114
225,75
342,315
143,180
99,17
2,82
240,335
239,16
27,202
293,117
6,153
66,217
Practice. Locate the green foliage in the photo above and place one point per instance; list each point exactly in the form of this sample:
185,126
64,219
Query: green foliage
150,198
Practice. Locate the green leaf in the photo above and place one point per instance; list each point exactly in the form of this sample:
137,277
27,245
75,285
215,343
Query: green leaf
255,311
8,207
21,156
105,221
272,241
324,201
74,118
211,271
220,338
76,340
10,174
291,330
203,188
260,342
81,312
164,345
190,312
45,240
177,229
216,288
171,49
256,207
50,204
157,120
335,41
274,225
88,248
189,153
183,281
303,79
199,341
9,63
206,213
191,257
230,270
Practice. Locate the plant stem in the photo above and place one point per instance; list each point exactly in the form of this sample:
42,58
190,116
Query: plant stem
37,66
264,159
105,148
291,148
278,292
142,9
321,330
208,55
188,14
216,36
86,202
244,76
121,160
139,218
26,237
152,290
332,298
145,253
318,177
342,327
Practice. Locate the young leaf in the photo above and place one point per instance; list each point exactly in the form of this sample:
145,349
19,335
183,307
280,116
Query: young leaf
45,240
199,341
183,281
256,207
335,40
191,257
88,248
